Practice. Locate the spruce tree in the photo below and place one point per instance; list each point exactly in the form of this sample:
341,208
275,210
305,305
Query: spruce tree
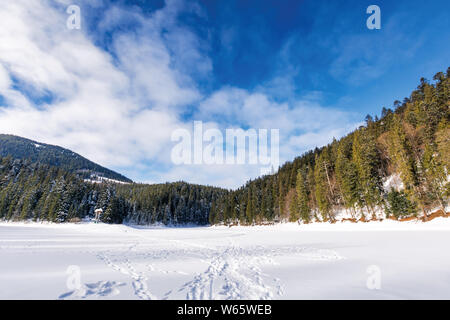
303,196
347,177
366,158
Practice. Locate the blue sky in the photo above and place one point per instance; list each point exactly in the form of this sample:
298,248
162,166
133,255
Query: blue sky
115,90
252,42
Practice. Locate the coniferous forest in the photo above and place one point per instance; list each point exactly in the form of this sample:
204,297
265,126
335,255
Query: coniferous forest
410,141
21,148
40,192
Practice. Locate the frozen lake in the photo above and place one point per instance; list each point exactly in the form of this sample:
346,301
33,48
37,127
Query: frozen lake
377,260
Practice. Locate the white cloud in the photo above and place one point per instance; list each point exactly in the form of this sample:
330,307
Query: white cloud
119,106
303,124
113,113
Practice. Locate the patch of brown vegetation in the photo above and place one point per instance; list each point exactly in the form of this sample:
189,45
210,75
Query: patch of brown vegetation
405,219
433,215
436,214
362,219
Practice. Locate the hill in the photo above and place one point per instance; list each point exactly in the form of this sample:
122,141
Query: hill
21,148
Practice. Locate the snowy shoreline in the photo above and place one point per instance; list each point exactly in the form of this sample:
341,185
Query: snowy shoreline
386,224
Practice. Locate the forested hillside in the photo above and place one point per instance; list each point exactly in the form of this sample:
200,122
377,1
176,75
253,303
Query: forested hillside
35,191
21,148
410,142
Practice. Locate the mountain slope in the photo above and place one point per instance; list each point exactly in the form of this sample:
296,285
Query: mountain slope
351,176
22,148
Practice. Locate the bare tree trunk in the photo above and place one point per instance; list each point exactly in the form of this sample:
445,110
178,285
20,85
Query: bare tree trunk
328,179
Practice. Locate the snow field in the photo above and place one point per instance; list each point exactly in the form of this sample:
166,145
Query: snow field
286,261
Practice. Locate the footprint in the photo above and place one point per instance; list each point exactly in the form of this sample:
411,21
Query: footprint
139,281
97,289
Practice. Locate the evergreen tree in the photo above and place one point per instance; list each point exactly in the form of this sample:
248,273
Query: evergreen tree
303,196
347,177
322,191
366,158
398,204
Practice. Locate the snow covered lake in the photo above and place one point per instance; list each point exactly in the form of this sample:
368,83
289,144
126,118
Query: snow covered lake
377,260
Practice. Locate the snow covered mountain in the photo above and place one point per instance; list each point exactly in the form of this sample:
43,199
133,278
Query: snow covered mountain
22,148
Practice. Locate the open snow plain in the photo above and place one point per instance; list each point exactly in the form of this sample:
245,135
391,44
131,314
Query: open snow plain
376,260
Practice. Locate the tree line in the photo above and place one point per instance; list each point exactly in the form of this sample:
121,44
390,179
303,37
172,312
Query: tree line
40,192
